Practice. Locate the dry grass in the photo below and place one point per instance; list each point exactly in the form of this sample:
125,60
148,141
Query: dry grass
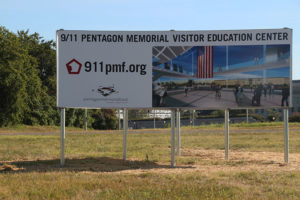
29,166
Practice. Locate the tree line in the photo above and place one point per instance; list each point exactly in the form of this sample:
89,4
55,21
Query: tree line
28,85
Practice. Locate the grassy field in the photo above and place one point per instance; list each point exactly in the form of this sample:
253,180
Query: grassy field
29,164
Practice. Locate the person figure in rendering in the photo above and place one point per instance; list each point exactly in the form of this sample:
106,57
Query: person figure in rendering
218,90
241,90
265,90
257,95
161,93
271,89
236,90
238,93
185,91
156,97
285,95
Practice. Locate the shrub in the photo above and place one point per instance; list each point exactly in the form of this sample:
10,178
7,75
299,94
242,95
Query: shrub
295,118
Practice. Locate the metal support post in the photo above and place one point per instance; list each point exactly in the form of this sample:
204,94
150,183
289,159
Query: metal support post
191,122
286,135
193,118
154,125
119,118
173,138
85,119
247,116
226,134
178,132
125,125
62,136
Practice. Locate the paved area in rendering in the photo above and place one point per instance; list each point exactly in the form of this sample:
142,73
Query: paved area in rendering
208,99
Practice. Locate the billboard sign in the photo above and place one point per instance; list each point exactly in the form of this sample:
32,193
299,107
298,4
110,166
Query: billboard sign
174,69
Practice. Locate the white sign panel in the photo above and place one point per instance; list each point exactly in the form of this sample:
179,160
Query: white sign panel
202,69
98,70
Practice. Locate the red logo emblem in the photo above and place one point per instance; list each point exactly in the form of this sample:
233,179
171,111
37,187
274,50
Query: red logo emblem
74,66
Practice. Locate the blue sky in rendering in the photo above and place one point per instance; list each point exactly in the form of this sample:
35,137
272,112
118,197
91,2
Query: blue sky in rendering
45,17
239,57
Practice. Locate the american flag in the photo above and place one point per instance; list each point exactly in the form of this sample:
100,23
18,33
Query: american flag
205,62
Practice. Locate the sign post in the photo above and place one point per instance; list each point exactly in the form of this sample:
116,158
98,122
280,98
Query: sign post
85,119
125,125
154,115
227,134
178,132
286,135
62,136
173,138
193,117
119,118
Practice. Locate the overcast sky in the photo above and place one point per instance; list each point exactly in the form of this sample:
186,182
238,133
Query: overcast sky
45,17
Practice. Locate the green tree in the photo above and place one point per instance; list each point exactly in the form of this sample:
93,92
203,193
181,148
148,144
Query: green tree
24,98
15,68
273,115
43,108
104,119
45,54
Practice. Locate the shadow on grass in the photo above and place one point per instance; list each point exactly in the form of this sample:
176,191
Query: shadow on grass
101,164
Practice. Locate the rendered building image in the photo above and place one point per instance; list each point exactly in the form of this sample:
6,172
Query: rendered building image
191,76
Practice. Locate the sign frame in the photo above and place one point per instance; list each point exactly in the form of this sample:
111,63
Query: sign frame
139,39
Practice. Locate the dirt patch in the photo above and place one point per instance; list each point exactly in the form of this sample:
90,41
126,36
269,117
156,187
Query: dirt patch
239,161
206,161
7,168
